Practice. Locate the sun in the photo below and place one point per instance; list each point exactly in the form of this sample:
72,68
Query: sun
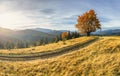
13,19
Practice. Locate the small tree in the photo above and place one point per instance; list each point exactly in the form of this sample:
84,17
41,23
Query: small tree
64,36
88,22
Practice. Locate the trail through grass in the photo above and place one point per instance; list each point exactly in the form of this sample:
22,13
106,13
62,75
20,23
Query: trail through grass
46,48
45,55
91,60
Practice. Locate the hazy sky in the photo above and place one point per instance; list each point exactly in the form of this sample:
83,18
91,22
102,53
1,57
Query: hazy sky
56,14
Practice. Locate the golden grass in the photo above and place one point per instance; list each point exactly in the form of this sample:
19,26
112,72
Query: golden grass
48,47
101,58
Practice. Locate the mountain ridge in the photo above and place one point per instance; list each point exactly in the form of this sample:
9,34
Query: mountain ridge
34,34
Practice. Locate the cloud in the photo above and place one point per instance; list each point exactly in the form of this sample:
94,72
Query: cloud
56,14
48,11
103,19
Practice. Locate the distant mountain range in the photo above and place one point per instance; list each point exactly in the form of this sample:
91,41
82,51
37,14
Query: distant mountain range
41,33
110,32
27,34
49,31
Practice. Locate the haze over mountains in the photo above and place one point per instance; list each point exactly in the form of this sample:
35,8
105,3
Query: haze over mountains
110,32
27,34
40,33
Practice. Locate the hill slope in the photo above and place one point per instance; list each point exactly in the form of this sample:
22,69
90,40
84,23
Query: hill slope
26,35
31,35
33,55
101,58
49,31
111,32
47,48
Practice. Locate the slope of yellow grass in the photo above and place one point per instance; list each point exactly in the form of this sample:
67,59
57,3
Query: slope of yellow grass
101,58
48,47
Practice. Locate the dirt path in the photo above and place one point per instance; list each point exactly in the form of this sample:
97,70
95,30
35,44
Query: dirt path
48,54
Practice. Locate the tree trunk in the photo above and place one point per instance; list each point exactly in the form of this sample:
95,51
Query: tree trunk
88,33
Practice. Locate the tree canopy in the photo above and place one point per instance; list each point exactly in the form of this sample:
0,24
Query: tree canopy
88,22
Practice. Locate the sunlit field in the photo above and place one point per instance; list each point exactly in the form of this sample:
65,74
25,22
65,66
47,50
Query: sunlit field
101,58
47,47
59,38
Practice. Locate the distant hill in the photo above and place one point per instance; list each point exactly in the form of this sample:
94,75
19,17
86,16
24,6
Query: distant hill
6,35
43,30
49,31
41,33
26,35
111,32
31,35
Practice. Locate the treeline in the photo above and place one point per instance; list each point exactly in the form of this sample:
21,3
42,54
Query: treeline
67,36
23,44
26,44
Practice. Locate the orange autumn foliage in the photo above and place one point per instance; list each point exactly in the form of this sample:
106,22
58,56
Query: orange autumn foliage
64,35
88,22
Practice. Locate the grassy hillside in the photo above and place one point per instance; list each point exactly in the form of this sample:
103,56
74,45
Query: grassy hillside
101,58
47,47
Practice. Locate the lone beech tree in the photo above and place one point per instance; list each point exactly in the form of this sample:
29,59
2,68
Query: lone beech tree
88,22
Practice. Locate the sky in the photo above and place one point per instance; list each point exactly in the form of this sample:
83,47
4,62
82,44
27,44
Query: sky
56,14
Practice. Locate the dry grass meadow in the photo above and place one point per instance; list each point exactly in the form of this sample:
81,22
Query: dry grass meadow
101,58
48,47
